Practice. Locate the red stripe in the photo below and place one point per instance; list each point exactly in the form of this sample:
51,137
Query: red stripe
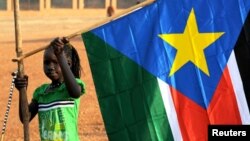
194,120
223,108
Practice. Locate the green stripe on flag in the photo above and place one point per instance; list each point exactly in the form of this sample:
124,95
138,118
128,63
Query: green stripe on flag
129,97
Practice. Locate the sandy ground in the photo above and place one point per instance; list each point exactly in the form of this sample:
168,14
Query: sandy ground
37,31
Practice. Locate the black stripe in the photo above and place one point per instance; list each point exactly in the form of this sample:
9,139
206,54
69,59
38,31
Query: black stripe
55,104
242,53
58,101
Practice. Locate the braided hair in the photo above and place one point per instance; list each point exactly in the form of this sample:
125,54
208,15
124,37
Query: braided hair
72,53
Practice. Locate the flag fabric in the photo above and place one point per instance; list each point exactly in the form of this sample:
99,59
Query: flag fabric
168,70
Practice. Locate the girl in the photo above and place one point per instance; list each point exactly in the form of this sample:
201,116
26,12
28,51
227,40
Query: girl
57,103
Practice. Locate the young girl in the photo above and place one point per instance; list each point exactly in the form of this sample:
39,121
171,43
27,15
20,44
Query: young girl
57,103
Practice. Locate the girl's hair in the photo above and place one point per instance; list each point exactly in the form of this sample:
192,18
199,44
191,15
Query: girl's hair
71,52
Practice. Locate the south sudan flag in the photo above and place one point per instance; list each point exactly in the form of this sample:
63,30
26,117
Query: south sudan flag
168,70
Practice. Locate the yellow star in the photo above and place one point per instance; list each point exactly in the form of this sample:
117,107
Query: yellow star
190,45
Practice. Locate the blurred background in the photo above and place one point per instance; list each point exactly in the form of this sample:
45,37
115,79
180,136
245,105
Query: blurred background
40,22
40,5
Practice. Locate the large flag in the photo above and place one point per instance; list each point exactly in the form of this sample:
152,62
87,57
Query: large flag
168,70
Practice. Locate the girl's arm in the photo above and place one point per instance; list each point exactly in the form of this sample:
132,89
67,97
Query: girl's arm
33,109
65,63
33,106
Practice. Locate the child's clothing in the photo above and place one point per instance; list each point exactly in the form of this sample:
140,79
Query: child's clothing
57,113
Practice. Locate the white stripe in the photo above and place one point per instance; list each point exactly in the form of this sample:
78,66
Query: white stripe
54,107
238,89
57,102
170,109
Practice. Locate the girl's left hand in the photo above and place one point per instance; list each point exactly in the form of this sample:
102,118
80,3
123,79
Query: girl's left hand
58,44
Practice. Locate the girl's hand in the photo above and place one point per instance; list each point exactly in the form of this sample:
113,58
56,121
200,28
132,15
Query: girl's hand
21,82
58,44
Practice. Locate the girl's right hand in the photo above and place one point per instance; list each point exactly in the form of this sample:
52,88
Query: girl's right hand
21,82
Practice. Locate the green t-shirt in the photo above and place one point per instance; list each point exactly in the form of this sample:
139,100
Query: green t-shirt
57,113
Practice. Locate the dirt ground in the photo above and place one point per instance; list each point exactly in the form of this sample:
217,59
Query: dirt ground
38,30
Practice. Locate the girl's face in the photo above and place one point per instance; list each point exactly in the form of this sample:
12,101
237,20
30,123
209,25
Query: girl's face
51,67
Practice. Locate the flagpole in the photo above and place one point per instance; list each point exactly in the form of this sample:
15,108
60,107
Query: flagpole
22,91
107,20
